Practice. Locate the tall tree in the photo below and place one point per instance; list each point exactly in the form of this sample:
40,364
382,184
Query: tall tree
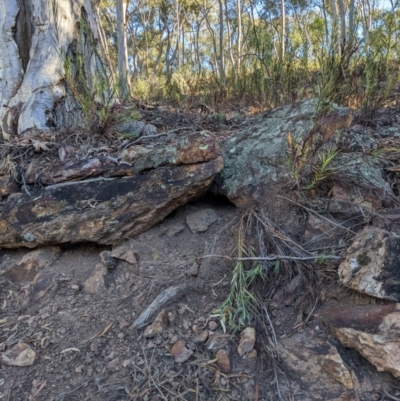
123,71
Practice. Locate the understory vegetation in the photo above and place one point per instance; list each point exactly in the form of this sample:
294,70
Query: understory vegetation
247,52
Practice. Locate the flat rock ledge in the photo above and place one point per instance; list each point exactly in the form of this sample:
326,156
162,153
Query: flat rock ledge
107,210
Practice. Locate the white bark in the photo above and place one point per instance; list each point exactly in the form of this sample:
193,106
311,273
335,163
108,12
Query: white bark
32,42
123,71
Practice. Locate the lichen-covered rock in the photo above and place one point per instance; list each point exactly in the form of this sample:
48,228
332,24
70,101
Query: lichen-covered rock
372,264
373,330
256,158
133,128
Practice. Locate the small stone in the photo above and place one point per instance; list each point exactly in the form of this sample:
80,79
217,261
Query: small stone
150,345
149,129
200,337
123,323
125,252
157,327
171,317
180,352
173,339
223,360
79,369
212,325
247,340
175,229
126,362
113,364
18,355
199,222
107,260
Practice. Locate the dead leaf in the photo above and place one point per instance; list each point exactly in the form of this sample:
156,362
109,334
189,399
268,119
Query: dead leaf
101,333
39,145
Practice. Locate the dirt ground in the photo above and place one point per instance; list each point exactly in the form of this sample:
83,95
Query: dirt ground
86,349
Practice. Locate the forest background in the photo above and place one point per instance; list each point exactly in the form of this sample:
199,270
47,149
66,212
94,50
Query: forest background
254,52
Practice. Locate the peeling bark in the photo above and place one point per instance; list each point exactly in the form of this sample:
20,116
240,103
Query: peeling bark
35,36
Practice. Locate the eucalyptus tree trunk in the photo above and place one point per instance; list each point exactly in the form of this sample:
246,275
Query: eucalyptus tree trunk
123,71
239,38
36,37
283,32
221,44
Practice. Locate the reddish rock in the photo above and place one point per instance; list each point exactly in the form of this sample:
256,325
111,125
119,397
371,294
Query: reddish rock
373,330
180,352
30,264
223,360
317,363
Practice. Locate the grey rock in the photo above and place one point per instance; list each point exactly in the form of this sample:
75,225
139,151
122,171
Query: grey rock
107,260
134,128
149,129
256,158
200,221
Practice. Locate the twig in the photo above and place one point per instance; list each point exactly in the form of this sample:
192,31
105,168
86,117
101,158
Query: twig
273,257
392,397
24,186
318,214
39,390
155,136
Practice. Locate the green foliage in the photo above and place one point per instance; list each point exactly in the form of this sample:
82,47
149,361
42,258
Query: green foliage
322,169
241,304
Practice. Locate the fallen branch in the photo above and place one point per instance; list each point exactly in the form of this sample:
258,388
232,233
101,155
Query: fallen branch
274,257
164,297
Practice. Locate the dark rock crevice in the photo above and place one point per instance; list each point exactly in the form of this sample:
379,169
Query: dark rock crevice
24,30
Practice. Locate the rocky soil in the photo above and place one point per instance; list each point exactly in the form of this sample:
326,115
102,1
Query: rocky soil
133,320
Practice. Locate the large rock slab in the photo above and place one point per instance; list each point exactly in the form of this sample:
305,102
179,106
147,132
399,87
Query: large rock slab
107,210
372,264
256,159
317,364
373,330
